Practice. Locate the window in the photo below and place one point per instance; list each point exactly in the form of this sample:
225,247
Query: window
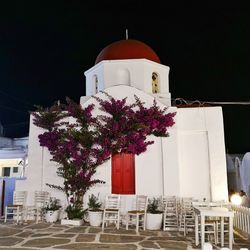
6,171
155,83
15,169
95,85
123,77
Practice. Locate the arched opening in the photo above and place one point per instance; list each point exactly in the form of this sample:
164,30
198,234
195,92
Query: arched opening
95,85
155,83
123,76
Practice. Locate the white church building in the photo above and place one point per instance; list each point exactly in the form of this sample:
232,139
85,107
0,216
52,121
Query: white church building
191,162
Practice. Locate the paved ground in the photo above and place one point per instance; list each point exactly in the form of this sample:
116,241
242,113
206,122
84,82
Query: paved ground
55,236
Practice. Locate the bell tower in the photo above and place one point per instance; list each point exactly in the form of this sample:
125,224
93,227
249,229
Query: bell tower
131,63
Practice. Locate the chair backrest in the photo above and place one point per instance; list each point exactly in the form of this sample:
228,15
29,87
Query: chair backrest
41,197
20,197
112,201
141,202
169,202
186,205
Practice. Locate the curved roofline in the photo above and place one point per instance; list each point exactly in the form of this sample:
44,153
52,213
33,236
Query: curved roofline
127,49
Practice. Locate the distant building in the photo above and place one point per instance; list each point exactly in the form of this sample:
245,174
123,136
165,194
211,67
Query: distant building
13,156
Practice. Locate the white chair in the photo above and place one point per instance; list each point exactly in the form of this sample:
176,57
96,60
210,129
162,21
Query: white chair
111,211
137,217
17,209
211,229
40,200
226,228
186,215
210,224
170,216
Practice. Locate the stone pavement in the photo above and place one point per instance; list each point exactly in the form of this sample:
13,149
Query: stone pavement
55,236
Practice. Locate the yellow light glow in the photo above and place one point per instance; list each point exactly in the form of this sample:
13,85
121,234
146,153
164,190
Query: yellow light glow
236,199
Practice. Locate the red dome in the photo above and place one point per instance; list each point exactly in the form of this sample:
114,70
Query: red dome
127,49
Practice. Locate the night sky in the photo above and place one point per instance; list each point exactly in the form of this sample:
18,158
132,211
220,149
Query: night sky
45,47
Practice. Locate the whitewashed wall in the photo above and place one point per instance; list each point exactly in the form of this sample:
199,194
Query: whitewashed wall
201,149
191,162
136,73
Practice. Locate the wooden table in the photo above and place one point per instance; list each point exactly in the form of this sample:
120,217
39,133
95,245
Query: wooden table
221,212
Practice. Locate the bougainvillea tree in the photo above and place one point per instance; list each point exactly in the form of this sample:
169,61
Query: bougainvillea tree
126,126
80,146
74,146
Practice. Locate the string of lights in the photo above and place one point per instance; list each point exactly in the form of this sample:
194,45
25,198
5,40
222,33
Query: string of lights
182,101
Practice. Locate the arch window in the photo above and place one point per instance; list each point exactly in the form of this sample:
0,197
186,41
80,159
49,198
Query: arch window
155,83
95,85
123,77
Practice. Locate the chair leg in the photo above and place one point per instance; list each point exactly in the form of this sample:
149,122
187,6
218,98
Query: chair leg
118,221
144,222
103,221
216,233
137,223
5,214
37,217
17,215
164,221
25,215
127,221
184,226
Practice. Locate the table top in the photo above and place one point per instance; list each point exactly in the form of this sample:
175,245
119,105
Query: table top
214,211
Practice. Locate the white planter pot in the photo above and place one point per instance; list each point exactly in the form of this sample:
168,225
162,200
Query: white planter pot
52,216
74,222
95,218
154,221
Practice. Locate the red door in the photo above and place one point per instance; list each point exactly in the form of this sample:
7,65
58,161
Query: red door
123,173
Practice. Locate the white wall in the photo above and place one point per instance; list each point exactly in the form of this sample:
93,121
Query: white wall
140,76
148,169
201,139
194,165
192,161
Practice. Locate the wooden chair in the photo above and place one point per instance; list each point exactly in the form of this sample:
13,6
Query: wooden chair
40,200
137,217
17,209
211,223
186,215
170,216
111,211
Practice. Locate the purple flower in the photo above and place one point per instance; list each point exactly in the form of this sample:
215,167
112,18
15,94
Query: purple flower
81,147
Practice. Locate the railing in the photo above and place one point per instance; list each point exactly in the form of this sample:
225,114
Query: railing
241,218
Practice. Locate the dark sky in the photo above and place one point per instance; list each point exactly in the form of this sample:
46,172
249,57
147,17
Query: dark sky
45,47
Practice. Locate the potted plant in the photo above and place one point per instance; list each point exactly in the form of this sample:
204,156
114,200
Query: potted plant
74,216
154,214
51,210
94,210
